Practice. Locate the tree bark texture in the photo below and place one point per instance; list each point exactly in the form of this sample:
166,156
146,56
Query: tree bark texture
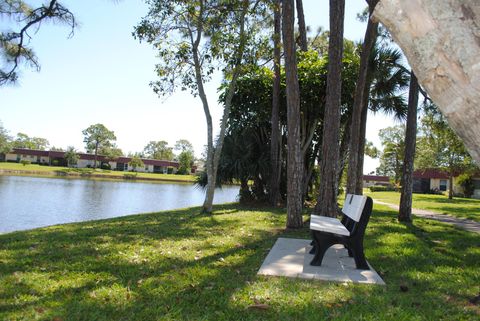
441,39
294,157
363,134
302,29
405,210
327,196
358,107
274,190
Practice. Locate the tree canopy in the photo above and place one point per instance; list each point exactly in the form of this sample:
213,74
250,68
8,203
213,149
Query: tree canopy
15,46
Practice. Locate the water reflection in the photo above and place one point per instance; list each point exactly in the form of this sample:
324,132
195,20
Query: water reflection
30,202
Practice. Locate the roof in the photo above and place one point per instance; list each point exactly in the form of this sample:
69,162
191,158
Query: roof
121,159
33,152
376,178
431,173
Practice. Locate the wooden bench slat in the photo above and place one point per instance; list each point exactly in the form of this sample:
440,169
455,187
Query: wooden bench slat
328,224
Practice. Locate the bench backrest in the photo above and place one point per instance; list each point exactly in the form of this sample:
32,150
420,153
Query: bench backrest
353,206
356,214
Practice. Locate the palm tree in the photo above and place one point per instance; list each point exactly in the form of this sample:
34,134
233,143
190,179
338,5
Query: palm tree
386,82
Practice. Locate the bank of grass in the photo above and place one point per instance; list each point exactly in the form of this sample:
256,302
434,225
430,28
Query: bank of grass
458,207
38,170
180,265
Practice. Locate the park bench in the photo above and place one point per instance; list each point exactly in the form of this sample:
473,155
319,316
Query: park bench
349,231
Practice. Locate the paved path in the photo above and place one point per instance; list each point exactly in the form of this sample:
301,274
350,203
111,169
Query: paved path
462,223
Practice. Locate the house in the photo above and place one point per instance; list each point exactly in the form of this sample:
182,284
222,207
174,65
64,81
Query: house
57,158
427,180
371,180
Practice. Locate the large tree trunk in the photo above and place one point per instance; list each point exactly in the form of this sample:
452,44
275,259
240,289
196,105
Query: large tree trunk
302,29
441,39
294,157
405,211
358,106
327,196
274,190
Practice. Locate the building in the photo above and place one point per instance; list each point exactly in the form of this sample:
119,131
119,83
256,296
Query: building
57,158
436,180
371,180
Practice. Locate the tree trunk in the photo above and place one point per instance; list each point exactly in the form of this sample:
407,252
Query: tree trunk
294,157
358,106
363,134
213,154
95,157
274,190
450,189
302,29
327,196
405,210
441,39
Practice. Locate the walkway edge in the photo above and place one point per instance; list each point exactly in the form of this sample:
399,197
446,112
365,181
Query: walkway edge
465,224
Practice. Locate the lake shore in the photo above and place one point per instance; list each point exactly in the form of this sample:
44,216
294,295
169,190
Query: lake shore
53,171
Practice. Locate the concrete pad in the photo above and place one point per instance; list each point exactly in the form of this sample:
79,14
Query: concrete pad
290,258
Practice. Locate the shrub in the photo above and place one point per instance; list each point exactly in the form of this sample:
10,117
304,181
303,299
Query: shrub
382,188
25,162
106,166
466,182
130,175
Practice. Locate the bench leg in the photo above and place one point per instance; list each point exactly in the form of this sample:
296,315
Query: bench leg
312,243
350,253
359,256
322,244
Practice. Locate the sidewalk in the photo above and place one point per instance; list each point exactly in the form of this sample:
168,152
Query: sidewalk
465,224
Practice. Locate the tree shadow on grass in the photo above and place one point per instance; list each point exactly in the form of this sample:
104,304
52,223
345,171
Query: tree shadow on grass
184,266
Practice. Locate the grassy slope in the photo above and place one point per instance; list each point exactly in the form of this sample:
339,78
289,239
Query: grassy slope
85,172
179,265
459,207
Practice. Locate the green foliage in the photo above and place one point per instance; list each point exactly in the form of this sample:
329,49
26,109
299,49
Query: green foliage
130,175
439,147
371,150
205,34
185,160
5,140
465,180
110,151
158,150
391,158
183,145
135,162
246,148
25,162
24,141
14,44
97,137
381,188
71,156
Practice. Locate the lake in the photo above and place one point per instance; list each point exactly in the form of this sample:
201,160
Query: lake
31,202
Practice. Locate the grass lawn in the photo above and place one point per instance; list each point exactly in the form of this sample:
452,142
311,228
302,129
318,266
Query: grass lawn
459,207
34,169
180,265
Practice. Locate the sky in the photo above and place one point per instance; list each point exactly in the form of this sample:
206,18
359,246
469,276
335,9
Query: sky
101,75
